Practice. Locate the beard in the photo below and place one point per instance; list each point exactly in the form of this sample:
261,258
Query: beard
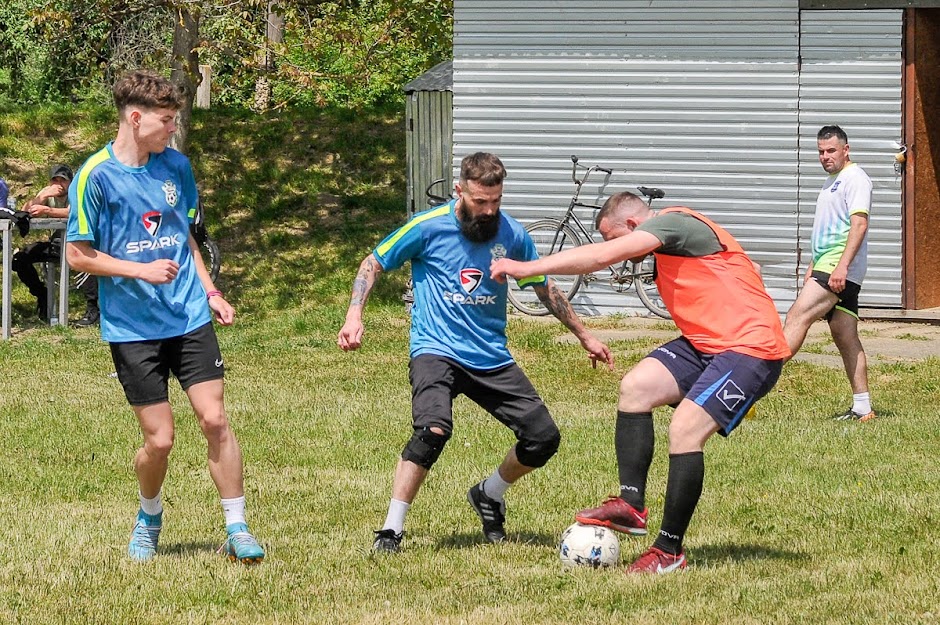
479,229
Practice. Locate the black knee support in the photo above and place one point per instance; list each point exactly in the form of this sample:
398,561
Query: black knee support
425,447
537,448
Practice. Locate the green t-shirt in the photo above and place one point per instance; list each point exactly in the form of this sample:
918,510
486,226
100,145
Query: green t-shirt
682,235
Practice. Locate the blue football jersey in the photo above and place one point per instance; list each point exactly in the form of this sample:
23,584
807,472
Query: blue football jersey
140,214
458,312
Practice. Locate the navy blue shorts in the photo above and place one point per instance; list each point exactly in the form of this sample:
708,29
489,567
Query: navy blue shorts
726,385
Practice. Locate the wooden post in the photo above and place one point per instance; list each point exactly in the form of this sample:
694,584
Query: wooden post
205,87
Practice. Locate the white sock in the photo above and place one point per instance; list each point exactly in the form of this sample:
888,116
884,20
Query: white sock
152,506
861,403
495,486
395,519
234,510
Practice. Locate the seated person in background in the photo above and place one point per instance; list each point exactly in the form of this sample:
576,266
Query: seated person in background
52,202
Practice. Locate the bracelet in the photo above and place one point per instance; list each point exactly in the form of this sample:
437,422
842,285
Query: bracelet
212,294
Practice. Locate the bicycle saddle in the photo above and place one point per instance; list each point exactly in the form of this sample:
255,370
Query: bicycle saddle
652,193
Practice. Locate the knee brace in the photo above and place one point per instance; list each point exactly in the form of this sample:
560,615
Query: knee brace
425,447
538,447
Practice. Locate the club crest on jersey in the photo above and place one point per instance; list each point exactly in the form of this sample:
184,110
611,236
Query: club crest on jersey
835,186
152,221
470,279
169,190
498,251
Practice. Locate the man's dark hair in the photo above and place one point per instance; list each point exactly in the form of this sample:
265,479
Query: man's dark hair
484,168
828,132
146,89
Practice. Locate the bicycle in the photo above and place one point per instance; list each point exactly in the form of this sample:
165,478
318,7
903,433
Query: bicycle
209,249
554,235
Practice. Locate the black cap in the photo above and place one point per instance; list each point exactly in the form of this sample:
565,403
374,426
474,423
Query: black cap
61,171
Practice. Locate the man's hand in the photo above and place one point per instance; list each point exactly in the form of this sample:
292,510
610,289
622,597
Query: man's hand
224,313
162,271
837,278
350,335
502,267
598,351
38,210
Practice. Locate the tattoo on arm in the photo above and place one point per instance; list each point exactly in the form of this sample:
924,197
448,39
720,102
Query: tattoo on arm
365,278
556,302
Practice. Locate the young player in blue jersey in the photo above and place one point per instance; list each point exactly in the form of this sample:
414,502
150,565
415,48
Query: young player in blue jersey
131,204
458,340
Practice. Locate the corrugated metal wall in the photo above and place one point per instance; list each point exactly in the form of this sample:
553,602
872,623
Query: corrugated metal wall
428,139
698,97
851,76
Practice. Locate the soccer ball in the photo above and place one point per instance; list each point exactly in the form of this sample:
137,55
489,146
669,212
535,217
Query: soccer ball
588,545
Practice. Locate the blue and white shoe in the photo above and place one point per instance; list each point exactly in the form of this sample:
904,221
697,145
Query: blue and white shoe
241,546
145,536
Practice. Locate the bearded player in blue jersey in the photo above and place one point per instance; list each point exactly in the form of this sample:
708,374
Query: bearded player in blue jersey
458,340
131,205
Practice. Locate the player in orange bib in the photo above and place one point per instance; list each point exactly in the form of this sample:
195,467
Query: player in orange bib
730,355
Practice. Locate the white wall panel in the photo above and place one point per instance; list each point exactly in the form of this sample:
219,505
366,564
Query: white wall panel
696,97
851,77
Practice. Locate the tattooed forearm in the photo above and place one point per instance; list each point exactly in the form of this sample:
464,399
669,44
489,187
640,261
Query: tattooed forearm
365,278
556,302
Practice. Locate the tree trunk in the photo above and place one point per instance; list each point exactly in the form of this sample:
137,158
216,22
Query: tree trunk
274,33
185,72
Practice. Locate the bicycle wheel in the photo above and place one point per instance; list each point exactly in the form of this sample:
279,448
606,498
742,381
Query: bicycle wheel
643,273
550,236
211,256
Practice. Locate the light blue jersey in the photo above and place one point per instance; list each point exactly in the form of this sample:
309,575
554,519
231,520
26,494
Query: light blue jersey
459,312
140,214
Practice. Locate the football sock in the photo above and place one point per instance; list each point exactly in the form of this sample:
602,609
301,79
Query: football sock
495,486
234,510
861,403
683,489
395,519
633,440
152,506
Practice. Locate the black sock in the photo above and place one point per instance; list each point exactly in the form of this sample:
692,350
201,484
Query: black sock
686,475
633,440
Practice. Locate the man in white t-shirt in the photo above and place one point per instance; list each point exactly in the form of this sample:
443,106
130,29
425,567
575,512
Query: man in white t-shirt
840,259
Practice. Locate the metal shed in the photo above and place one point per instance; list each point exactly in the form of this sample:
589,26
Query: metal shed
429,133
717,102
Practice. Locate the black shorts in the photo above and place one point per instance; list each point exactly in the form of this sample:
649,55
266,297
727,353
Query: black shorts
506,393
144,367
726,385
848,298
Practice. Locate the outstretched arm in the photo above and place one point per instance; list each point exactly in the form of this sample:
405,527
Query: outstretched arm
350,335
556,302
579,260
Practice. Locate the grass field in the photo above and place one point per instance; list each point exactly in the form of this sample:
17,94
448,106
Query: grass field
803,520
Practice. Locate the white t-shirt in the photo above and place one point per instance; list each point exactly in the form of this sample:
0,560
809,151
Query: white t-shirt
845,193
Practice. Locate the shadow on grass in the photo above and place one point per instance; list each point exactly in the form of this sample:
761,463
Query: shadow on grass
472,539
187,550
735,553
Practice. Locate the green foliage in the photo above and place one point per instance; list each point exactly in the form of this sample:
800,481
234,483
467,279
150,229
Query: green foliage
333,53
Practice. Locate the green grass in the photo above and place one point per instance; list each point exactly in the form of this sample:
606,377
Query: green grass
803,520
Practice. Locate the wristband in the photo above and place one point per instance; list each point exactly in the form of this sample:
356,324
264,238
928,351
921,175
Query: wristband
212,294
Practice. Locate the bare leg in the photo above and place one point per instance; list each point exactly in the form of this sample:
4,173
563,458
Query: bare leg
151,460
844,328
225,456
812,304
